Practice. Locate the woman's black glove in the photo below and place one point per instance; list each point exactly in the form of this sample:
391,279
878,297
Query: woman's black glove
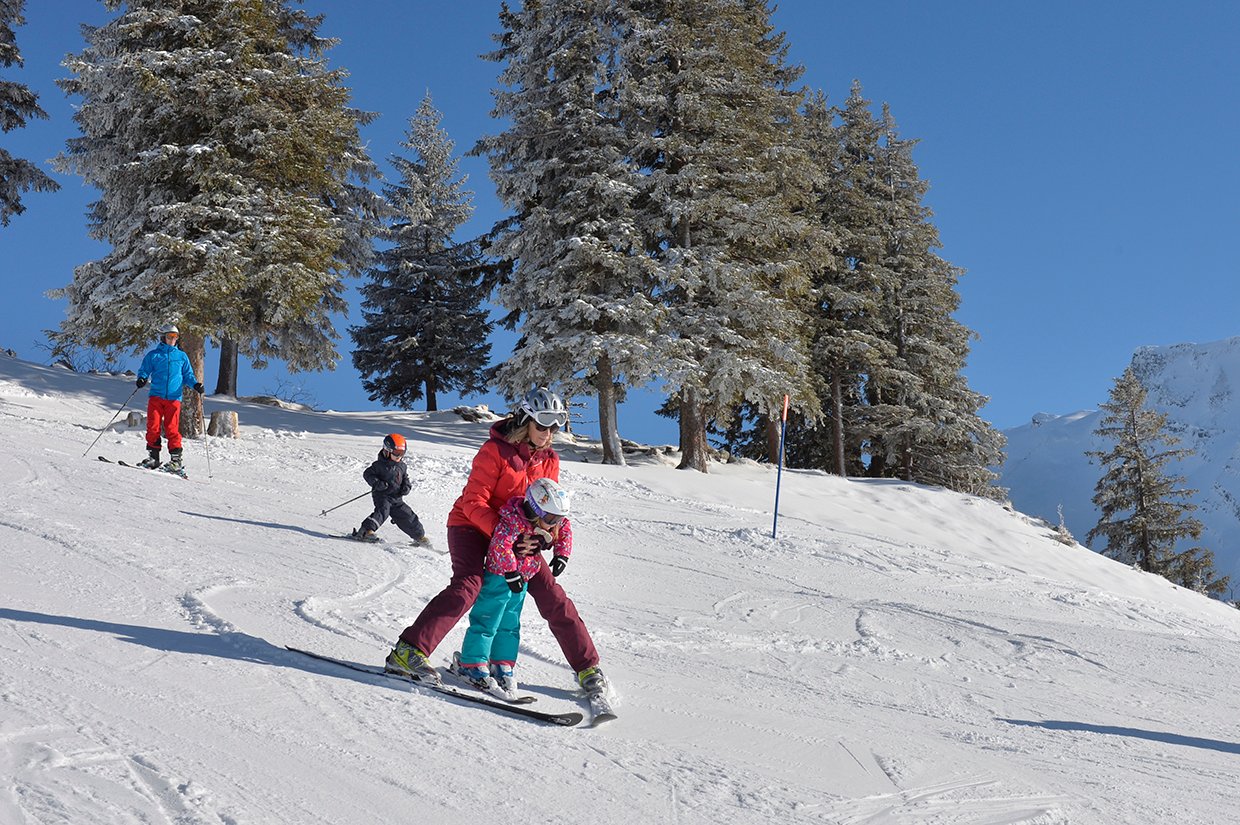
515,582
558,563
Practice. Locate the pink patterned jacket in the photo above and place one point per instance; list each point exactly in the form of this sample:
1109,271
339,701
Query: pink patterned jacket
512,525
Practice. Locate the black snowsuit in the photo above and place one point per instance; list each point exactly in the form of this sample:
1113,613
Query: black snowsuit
389,483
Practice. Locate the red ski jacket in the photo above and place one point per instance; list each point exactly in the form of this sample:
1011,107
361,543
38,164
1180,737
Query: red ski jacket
501,470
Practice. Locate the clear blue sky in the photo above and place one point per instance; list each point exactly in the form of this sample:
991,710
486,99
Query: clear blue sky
1081,157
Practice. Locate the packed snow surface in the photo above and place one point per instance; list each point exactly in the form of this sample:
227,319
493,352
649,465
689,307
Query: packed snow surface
897,655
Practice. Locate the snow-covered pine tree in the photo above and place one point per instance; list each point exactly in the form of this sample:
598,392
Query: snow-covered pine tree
354,205
17,105
581,280
924,418
219,153
708,94
425,327
848,341
1145,510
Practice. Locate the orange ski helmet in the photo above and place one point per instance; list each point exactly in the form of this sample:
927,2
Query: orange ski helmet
394,444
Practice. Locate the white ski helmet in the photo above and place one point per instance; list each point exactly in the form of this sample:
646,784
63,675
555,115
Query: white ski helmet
169,329
545,407
547,500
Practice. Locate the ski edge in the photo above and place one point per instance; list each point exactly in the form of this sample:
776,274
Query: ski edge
567,720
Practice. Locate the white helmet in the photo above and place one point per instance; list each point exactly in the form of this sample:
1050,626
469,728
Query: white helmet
169,329
547,500
545,407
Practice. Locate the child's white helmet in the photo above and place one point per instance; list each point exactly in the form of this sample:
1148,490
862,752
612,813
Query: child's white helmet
548,500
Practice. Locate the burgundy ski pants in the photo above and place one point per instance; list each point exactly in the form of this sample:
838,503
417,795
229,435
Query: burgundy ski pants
468,547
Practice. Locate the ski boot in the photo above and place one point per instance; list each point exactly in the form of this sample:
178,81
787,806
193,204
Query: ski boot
476,676
151,462
592,680
505,681
366,532
406,660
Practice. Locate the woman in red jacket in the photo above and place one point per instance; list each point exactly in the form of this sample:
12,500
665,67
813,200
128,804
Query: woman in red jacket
518,452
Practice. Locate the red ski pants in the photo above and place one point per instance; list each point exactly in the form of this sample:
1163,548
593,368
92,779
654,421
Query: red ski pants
169,412
468,547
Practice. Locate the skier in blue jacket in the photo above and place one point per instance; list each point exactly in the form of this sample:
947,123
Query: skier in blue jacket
167,369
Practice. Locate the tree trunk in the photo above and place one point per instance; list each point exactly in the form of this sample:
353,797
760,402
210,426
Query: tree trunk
693,448
837,425
771,424
226,383
192,424
432,402
609,432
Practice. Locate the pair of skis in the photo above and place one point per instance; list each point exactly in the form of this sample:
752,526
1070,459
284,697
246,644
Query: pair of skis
567,719
163,467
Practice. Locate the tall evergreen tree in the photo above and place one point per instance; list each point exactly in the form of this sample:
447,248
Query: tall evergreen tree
847,338
17,105
581,281
425,328
887,353
222,156
1145,510
708,94
924,418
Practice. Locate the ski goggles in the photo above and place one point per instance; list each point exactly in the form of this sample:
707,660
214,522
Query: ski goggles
550,519
546,419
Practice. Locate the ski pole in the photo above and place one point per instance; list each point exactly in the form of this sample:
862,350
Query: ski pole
109,424
343,503
206,442
779,475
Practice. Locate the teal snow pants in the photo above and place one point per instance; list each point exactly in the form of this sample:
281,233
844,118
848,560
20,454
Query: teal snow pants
494,624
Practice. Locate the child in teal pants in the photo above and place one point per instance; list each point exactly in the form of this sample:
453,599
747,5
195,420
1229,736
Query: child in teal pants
528,525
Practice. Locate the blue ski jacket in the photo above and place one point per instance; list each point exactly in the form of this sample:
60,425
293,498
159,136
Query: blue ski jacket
168,370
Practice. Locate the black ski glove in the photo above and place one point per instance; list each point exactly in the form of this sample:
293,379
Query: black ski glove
199,388
558,563
141,382
515,582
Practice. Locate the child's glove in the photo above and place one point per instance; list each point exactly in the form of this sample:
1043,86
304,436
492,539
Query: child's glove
141,382
199,388
558,563
515,582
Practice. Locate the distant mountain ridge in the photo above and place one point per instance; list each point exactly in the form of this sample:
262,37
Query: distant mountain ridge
1196,386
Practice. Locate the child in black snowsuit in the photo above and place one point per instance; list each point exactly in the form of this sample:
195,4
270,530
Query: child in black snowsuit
389,484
